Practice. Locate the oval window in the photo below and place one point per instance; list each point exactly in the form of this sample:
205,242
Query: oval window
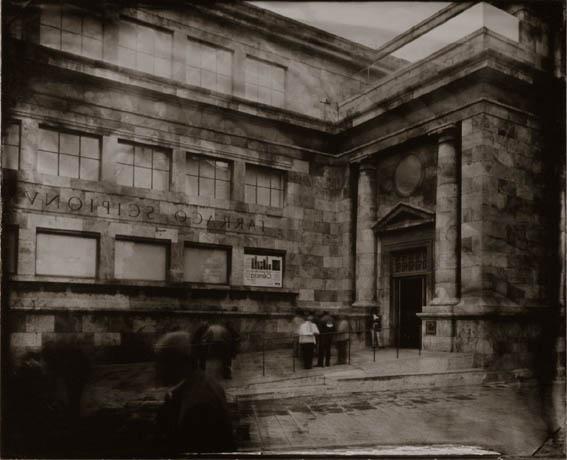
408,176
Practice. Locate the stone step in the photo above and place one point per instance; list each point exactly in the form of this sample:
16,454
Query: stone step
363,384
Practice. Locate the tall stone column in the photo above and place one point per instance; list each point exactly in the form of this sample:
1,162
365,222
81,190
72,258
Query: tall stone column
365,283
447,218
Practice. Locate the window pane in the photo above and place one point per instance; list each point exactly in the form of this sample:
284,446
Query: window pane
276,180
251,71
71,42
90,147
192,185
145,39
264,196
51,15
250,194
125,154
251,92
163,45
275,198
207,168
277,99
69,143
92,48
124,175
204,265
222,190
222,170
10,157
192,165
47,162
141,261
224,62
224,84
264,95
278,78
71,21
264,75
50,37
193,53
143,156
68,166
12,134
251,175
92,27
89,169
209,80
263,178
209,58
194,76
145,62
161,160
162,67
126,57
65,255
127,35
142,177
206,187
160,180
48,140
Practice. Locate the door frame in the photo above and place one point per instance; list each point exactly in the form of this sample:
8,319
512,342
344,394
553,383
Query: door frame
396,280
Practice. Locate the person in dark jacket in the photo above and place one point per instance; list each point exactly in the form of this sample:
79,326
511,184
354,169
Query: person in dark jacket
327,330
195,417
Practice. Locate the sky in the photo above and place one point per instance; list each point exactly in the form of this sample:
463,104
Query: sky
368,23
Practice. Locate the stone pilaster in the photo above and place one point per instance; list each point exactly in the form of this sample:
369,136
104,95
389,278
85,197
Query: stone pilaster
447,218
365,283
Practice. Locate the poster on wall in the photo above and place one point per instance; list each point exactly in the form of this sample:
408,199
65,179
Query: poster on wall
263,270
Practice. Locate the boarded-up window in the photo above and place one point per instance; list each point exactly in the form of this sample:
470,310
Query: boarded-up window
11,146
206,265
136,260
209,66
66,255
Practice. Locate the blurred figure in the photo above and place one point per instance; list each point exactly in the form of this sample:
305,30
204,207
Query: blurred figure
327,330
375,327
200,347
195,415
233,349
307,333
221,343
341,339
296,322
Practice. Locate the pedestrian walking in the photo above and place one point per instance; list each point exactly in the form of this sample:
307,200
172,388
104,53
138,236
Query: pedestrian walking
195,415
307,333
341,339
327,329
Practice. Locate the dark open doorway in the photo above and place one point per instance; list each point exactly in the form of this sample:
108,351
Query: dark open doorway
409,298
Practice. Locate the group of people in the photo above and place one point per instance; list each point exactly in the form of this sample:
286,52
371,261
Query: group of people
321,333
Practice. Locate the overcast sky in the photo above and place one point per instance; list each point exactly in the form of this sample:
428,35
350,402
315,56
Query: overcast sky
369,23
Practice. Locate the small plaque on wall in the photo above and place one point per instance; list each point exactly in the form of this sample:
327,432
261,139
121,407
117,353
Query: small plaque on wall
263,270
430,327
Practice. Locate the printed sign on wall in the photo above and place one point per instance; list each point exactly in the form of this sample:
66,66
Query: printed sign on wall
263,270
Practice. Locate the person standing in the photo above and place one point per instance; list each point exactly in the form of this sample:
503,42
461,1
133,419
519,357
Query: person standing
376,327
327,330
307,333
341,339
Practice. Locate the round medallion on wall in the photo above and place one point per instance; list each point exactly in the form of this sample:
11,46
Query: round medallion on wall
408,175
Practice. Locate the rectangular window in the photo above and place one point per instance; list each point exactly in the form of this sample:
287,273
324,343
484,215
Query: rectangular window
11,146
145,48
68,154
142,166
206,264
209,66
263,268
72,30
141,260
60,254
208,177
10,249
264,186
265,82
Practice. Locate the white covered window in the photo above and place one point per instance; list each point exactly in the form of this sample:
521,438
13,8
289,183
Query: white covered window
206,264
264,186
265,82
208,177
145,48
209,66
59,254
142,166
11,146
69,29
68,154
140,260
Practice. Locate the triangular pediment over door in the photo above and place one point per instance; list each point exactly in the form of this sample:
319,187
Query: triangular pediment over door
404,216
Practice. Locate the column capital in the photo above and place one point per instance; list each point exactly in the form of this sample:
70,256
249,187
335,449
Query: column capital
367,166
444,133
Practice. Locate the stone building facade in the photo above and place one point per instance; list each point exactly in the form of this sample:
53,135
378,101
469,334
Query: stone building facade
164,166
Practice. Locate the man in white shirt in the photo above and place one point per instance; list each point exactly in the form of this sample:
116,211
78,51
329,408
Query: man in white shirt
307,332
